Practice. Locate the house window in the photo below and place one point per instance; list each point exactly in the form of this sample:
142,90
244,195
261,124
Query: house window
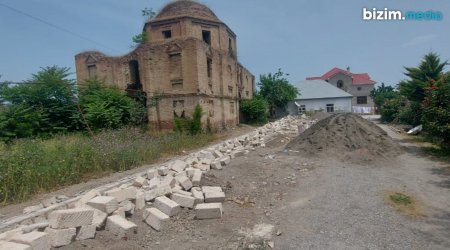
246,92
230,48
340,84
231,107
330,108
133,67
167,34
302,109
206,35
359,88
175,71
92,71
209,67
361,100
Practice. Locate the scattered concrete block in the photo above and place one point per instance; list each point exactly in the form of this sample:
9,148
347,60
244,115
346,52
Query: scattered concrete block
160,190
203,166
217,154
86,232
167,206
168,180
206,189
140,201
120,212
184,182
182,192
122,194
184,200
213,197
208,211
216,165
107,204
152,173
198,195
163,171
88,196
207,161
5,245
206,154
61,237
155,218
139,181
154,182
190,171
128,207
178,166
191,161
34,227
119,226
6,236
37,240
225,160
32,209
40,219
69,218
196,178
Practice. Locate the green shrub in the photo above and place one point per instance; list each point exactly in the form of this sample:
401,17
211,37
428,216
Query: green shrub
192,125
436,112
255,111
108,107
391,108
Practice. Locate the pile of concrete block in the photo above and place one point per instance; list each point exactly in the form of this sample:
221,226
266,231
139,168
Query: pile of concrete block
156,195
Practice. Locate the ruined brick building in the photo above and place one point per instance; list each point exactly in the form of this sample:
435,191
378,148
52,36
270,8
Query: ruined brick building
189,58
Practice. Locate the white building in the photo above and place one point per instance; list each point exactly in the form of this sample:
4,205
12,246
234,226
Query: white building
319,95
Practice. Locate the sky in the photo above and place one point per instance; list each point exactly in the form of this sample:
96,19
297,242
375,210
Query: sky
303,38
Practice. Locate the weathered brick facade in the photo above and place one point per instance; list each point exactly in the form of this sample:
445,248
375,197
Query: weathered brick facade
190,57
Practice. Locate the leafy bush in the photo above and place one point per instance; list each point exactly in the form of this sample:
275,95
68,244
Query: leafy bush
191,125
391,108
383,93
29,166
410,113
108,107
436,112
255,110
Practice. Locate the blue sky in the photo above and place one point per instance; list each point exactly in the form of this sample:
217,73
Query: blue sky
303,38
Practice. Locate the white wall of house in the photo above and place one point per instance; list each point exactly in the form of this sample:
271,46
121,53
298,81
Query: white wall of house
343,104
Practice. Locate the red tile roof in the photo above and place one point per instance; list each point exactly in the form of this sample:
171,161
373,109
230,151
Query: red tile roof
357,79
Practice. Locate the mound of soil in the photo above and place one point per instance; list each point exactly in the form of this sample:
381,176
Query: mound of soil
346,137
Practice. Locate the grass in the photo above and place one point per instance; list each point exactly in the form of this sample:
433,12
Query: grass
404,203
401,199
32,166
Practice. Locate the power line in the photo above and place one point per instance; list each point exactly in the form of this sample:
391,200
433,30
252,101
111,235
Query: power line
56,26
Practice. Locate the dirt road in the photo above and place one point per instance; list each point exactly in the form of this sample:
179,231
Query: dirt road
312,203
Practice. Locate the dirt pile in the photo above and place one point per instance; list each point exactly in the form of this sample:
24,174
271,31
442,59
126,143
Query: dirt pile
346,137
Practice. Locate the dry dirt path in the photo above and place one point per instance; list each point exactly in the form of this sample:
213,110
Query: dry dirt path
312,204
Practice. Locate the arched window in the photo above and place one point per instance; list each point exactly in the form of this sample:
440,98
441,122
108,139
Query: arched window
340,84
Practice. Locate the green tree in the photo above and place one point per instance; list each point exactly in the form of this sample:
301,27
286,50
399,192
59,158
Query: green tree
255,110
276,90
436,113
47,98
383,93
430,69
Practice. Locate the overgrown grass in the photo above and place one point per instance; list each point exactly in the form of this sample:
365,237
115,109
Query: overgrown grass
30,166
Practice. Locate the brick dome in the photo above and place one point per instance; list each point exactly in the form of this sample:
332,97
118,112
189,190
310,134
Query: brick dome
182,8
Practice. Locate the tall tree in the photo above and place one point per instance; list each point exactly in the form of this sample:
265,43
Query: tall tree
430,69
383,93
275,88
